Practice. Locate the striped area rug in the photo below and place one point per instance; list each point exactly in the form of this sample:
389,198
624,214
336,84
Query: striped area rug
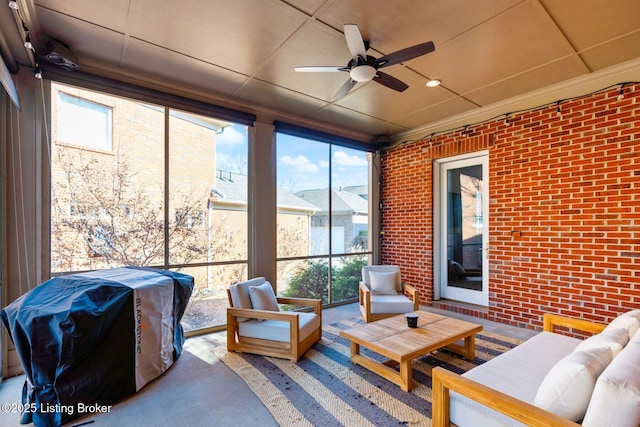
325,389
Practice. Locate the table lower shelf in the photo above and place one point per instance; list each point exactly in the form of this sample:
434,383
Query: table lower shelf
404,377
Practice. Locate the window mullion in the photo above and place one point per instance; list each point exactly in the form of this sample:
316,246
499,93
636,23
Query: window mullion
166,186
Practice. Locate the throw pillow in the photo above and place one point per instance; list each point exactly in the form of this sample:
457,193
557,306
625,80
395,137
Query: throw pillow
616,396
263,298
566,389
612,339
383,283
629,321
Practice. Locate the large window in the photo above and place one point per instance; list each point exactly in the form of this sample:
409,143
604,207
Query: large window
323,219
168,191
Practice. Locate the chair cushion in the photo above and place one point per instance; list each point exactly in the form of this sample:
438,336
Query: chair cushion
383,283
367,269
240,294
566,389
383,304
263,298
616,397
277,330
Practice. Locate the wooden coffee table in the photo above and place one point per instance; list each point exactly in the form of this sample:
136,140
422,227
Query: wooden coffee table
391,337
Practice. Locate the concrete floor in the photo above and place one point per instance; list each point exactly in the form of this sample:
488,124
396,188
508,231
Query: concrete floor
199,390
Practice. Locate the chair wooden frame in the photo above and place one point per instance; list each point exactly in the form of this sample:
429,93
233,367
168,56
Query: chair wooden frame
445,381
292,350
365,302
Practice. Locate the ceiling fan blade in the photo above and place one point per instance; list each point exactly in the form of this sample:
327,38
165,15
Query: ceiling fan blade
319,69
354,41
390,81
406,54
349,84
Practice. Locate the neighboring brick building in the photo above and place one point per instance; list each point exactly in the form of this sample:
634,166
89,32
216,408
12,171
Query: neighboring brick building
564,209
108,163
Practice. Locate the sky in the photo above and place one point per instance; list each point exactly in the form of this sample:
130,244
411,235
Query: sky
301,164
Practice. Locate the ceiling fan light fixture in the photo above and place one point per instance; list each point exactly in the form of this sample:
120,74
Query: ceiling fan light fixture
362,73
433,83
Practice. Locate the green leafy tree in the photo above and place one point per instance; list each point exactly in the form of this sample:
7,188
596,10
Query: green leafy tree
346,279
310,281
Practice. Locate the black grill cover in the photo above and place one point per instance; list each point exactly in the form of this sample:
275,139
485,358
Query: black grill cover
95,338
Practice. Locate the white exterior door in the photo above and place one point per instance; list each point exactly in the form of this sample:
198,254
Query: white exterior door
461,240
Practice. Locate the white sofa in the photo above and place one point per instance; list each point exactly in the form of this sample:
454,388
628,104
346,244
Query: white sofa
550,380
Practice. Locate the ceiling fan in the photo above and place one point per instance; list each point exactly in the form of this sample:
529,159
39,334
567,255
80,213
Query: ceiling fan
363,67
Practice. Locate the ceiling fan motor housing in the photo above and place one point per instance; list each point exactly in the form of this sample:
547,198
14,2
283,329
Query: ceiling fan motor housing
362,73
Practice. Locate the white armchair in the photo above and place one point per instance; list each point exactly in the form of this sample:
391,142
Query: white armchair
382,293
256,325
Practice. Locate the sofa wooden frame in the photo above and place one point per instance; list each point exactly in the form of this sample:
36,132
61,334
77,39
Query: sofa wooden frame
292,350
365,302
445,381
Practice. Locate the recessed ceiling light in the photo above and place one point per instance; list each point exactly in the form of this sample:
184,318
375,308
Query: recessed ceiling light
433,83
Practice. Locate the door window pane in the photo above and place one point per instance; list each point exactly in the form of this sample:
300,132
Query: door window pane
464,227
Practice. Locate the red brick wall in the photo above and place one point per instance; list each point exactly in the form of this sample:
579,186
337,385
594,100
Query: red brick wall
569,182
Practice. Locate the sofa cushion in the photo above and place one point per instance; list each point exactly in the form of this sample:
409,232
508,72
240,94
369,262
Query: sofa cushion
277,330
612,339
566,389
616,397
263,298
391,304
518,373
383,283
